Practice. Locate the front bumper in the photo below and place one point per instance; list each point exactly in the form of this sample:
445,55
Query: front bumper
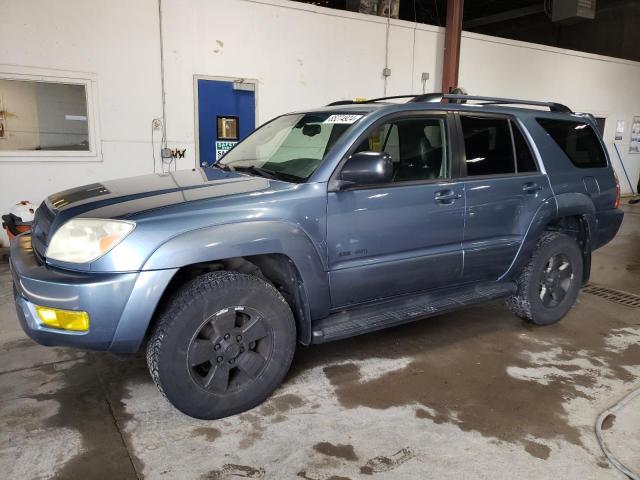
120,305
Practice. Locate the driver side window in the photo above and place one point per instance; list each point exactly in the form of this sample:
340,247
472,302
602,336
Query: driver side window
417,146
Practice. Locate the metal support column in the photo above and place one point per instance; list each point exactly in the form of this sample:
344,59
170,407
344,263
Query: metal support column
452,36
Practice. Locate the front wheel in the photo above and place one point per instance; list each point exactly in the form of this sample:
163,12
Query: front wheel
223,345
549,284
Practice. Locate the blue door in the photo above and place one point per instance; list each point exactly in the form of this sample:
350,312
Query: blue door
226,115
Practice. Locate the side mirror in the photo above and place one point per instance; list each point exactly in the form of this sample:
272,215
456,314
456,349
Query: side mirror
367,168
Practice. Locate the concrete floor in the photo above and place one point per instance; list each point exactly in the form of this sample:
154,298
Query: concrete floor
474,394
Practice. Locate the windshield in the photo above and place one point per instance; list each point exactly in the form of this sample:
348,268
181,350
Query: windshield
289,148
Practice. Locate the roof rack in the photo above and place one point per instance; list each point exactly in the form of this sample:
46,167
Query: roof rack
380,99
552,106
439,97
371,100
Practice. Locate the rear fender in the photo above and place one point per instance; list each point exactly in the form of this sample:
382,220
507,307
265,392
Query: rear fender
553,208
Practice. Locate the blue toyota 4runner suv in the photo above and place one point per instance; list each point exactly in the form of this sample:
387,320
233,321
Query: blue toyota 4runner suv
320,225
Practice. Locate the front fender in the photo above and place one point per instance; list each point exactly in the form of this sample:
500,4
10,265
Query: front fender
246,239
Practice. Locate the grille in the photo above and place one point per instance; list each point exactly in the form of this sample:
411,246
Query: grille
617,296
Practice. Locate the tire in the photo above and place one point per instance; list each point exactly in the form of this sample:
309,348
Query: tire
222,346
546,290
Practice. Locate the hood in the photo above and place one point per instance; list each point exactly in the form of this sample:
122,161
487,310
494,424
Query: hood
127,197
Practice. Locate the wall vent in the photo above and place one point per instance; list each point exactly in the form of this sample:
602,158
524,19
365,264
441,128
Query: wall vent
572,11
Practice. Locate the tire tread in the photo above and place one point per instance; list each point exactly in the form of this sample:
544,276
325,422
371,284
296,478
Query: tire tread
520,303
189,293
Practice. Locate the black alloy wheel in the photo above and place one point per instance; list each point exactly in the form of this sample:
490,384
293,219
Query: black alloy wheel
230,349
556,280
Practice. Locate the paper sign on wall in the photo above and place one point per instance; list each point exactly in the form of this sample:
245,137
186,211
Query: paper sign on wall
3,121
222,148
619,129
634,142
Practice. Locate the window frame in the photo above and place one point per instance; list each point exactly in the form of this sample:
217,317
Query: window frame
512,121
452,151
512,125
29,74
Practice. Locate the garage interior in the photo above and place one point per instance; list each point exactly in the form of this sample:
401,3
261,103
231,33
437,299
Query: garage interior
97,91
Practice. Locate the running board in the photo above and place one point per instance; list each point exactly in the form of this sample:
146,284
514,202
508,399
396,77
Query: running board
389,313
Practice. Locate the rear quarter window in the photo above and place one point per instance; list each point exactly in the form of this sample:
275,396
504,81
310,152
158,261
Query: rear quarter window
577,140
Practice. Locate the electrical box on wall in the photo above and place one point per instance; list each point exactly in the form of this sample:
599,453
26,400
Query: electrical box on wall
242,85
572,11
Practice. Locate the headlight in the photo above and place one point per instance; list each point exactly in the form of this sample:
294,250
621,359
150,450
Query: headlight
83,240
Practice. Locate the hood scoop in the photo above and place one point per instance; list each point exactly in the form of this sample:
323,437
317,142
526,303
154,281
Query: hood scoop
62,199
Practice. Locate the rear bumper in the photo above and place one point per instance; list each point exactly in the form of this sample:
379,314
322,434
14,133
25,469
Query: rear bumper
607,225
120,305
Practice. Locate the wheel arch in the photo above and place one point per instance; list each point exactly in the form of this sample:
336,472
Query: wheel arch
569,213
280,253
577,227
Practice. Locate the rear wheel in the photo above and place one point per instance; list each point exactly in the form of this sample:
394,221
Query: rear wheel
223,345
549,284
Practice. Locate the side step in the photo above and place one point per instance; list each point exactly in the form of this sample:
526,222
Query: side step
389,313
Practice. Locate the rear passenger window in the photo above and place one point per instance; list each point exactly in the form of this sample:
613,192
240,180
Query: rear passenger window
524,158
488,147
577,140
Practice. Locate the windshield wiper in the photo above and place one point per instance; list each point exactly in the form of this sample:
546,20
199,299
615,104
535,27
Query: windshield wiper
263,172
224,166
268,173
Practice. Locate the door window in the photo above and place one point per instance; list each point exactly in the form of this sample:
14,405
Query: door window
227,128
417,146
488,147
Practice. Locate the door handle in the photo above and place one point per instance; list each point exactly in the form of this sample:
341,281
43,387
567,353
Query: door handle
531,187
447,196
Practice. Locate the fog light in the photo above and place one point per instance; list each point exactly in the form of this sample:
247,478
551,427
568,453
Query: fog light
63,319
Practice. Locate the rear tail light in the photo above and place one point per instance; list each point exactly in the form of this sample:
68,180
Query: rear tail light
616,204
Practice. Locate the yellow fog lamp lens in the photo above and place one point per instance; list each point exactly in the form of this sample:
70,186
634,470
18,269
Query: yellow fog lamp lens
63,319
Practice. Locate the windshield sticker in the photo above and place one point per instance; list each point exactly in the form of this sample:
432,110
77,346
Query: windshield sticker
342,118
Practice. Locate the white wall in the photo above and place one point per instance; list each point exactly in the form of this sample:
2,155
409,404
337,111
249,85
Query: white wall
301,56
